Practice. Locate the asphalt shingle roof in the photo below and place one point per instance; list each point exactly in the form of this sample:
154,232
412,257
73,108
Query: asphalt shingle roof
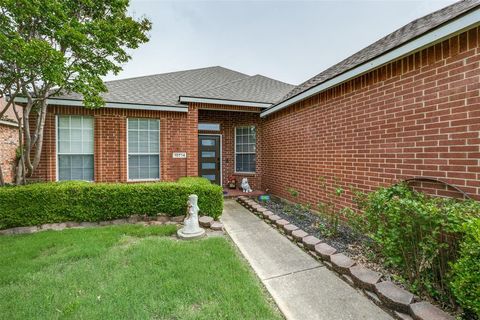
391,41
211,82
256,88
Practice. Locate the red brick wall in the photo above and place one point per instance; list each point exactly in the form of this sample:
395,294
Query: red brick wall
8,146
418,116
176,132
228,121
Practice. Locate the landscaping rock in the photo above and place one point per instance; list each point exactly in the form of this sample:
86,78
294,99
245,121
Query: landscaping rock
104,223
205,221
299,234
118,221
6,232
261,209
289,228
74,224
88,224
155,223
23,230
282,222
310,242
393,296
364,277
216,226
267,214
341,263
142,223
373,296
178,218
162,218
54,226
273,218
325,251
426,311
403,316
134,218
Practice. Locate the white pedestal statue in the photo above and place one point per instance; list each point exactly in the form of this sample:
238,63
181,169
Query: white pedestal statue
191,228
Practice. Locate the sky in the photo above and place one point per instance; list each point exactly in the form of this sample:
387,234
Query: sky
290,41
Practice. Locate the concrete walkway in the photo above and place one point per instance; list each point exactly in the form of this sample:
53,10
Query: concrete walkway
302,287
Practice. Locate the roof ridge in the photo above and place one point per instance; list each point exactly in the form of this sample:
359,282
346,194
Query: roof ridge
261,75
173,72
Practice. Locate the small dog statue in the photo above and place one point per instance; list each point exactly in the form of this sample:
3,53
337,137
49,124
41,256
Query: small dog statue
246,186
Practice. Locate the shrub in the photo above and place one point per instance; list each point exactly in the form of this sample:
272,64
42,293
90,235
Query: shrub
466,270
40,203
417,235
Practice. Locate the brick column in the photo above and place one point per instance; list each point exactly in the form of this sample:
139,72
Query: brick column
192,140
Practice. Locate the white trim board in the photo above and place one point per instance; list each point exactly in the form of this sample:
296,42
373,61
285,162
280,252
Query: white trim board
184,99
453,27
9,123
114,105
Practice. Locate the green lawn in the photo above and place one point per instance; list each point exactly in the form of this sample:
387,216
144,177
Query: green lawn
126,272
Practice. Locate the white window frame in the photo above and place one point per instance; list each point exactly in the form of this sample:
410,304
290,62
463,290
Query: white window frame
145,154
235,150
57,127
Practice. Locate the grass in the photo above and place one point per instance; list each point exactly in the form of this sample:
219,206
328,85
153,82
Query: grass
126,272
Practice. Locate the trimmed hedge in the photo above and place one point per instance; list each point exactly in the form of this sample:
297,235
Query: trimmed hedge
55,202
466,270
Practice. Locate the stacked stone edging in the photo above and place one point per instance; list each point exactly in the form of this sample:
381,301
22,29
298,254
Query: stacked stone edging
161,219
397,301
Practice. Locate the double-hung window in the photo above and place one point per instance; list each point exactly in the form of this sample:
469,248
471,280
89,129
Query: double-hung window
75,148
143,149
245,148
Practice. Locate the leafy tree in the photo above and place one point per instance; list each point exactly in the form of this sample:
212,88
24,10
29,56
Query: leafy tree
53,46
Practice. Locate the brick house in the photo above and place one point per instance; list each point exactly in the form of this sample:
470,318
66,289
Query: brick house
407,106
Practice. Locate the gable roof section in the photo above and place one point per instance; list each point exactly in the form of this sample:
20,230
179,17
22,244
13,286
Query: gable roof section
257,89
387,44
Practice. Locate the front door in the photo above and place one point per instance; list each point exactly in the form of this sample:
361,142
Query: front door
209,157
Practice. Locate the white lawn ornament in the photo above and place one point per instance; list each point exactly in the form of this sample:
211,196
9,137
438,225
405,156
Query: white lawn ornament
246,186
191,228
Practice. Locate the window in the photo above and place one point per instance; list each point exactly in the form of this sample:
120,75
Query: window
75,148
245,146
143,149
209,126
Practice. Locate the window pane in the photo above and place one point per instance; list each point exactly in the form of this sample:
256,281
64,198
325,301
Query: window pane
208,165
210,177
75,148
245,163
208,154
209,126
143,149
208,142
75,167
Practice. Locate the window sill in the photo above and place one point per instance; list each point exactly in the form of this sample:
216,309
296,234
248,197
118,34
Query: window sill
143,180
247,174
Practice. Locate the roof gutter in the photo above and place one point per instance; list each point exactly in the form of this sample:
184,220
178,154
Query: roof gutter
436,35
115,105
184,99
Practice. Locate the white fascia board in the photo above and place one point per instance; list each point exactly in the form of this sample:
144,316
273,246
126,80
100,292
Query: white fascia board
183,99
114,105
447,30
8,123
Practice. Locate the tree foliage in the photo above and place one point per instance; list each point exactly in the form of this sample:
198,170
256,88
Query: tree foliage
53,46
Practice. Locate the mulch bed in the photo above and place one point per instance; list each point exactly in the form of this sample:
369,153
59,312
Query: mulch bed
345,240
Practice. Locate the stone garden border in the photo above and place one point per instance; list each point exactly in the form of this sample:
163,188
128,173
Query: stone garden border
160,219
397,301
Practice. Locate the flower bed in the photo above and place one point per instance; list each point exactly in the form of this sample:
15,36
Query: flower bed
409,235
